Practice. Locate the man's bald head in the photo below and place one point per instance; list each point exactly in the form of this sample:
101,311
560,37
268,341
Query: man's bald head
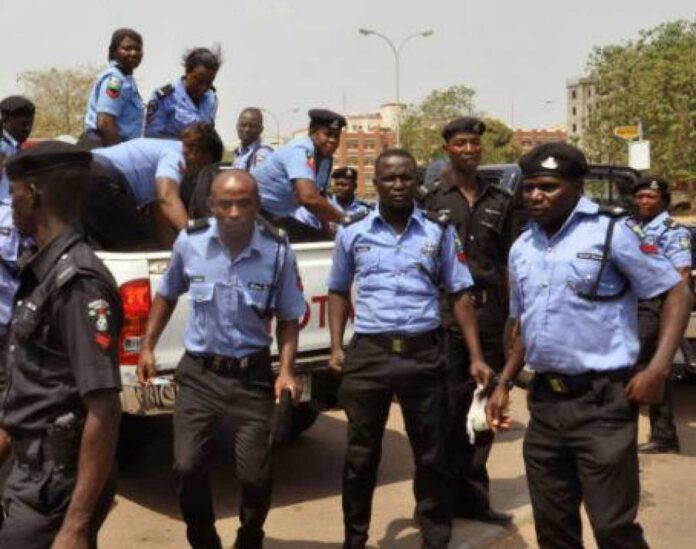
234,202
234,179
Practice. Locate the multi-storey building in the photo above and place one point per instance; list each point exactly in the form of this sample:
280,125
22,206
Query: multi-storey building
527,139
580,94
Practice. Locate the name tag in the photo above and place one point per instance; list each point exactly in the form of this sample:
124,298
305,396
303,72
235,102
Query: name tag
258,286
362,248
5,231
590,256
429,249
197,278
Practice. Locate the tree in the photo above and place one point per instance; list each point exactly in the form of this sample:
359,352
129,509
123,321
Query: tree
60,96
652,79
498,147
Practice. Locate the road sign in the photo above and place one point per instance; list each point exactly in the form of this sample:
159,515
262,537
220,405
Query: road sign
627,132
639,155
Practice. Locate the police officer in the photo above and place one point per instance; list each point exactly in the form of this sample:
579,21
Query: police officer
189,100
115,110
251,151
239,272
298,173
398,256
143,173
651,198
61,406
575,274
482,215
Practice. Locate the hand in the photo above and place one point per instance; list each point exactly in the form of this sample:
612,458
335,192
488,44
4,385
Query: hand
147,368
480,371
286,380
336,360
69,538
646,387
496,409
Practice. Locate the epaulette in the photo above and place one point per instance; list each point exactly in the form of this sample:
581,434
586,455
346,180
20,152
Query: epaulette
366,205
165,91
197,225
424,191
502,189
612,211
672,224
441,217
355,217
271,230
66,270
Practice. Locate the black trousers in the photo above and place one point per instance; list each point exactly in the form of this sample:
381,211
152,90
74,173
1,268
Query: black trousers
471,484
205,398
663,429
35,499
583,448
371,377
296,230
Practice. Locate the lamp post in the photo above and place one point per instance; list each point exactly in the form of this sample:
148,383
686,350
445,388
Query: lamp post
277,118
396,50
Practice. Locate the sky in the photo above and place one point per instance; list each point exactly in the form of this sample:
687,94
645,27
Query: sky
299,54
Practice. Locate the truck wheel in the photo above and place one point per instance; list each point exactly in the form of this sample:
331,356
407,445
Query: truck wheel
303,417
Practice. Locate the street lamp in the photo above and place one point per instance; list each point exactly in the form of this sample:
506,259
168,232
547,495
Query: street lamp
396,50
277,118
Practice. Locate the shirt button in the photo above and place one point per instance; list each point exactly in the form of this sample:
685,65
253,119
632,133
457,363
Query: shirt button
544,284
12,348
19,303
471,237
549,250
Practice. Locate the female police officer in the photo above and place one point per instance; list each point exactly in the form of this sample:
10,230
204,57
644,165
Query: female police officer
189,100
115,111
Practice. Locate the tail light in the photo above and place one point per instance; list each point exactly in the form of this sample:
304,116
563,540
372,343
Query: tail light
135,295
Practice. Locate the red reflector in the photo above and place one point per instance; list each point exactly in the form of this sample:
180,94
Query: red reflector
135,295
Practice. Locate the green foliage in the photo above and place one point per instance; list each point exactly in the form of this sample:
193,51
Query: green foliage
497,144
652,79
60,96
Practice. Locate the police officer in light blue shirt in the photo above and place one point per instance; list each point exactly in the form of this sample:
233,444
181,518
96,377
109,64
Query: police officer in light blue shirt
189,100
297,174
252,152
651,220
398,256
115,110
575,276
140,175
239,273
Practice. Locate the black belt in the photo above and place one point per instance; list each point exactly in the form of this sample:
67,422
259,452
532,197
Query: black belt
230,366
402,344
562,384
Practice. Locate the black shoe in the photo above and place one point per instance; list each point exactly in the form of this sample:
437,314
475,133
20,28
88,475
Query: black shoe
489,516
658,448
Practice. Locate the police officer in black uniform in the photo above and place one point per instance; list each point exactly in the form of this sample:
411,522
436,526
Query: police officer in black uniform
61,406
482,215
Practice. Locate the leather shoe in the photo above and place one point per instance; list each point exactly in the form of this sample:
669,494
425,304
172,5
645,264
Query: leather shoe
658,448
489,516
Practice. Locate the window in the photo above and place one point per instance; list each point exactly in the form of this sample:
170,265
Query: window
575,128
352,161
369,145
573,94
589,92
575,111
352,143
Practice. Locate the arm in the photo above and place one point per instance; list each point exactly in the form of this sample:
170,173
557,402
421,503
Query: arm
647,386
685,274
498,401
169,207
96,458
287,332
309,196
160,314
108,129
339,307
465,315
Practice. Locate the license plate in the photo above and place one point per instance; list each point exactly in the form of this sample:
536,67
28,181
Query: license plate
159,394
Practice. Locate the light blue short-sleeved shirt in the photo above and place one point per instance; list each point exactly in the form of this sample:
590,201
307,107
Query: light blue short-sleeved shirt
252,156
564,332
117,94
231,297
672,239
9,251
295,160
144,160
397,277
303,215
171,109
8,147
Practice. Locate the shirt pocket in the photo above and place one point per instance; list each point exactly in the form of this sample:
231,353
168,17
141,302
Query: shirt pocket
368,270
201,295
583,273
257,297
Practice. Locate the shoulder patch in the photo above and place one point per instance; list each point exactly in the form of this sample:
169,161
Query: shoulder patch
424,191
197,225
164,91
613,211
441,217
672,224
113,86
271,230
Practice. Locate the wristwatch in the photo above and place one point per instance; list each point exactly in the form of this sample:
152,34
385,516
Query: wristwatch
507,383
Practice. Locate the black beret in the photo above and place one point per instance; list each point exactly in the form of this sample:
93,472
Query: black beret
17,104
327,119
348,173
559,159
467,124
45,157
653,183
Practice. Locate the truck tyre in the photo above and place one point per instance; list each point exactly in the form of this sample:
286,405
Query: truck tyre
303,417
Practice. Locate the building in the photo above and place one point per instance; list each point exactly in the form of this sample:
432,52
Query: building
364,138
580,98
527,139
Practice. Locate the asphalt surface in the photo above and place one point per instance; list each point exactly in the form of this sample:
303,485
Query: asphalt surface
306,512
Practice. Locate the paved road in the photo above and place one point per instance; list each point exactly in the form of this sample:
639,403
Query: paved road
306,513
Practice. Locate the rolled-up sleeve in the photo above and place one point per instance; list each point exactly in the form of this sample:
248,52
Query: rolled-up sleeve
342,264
290,301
